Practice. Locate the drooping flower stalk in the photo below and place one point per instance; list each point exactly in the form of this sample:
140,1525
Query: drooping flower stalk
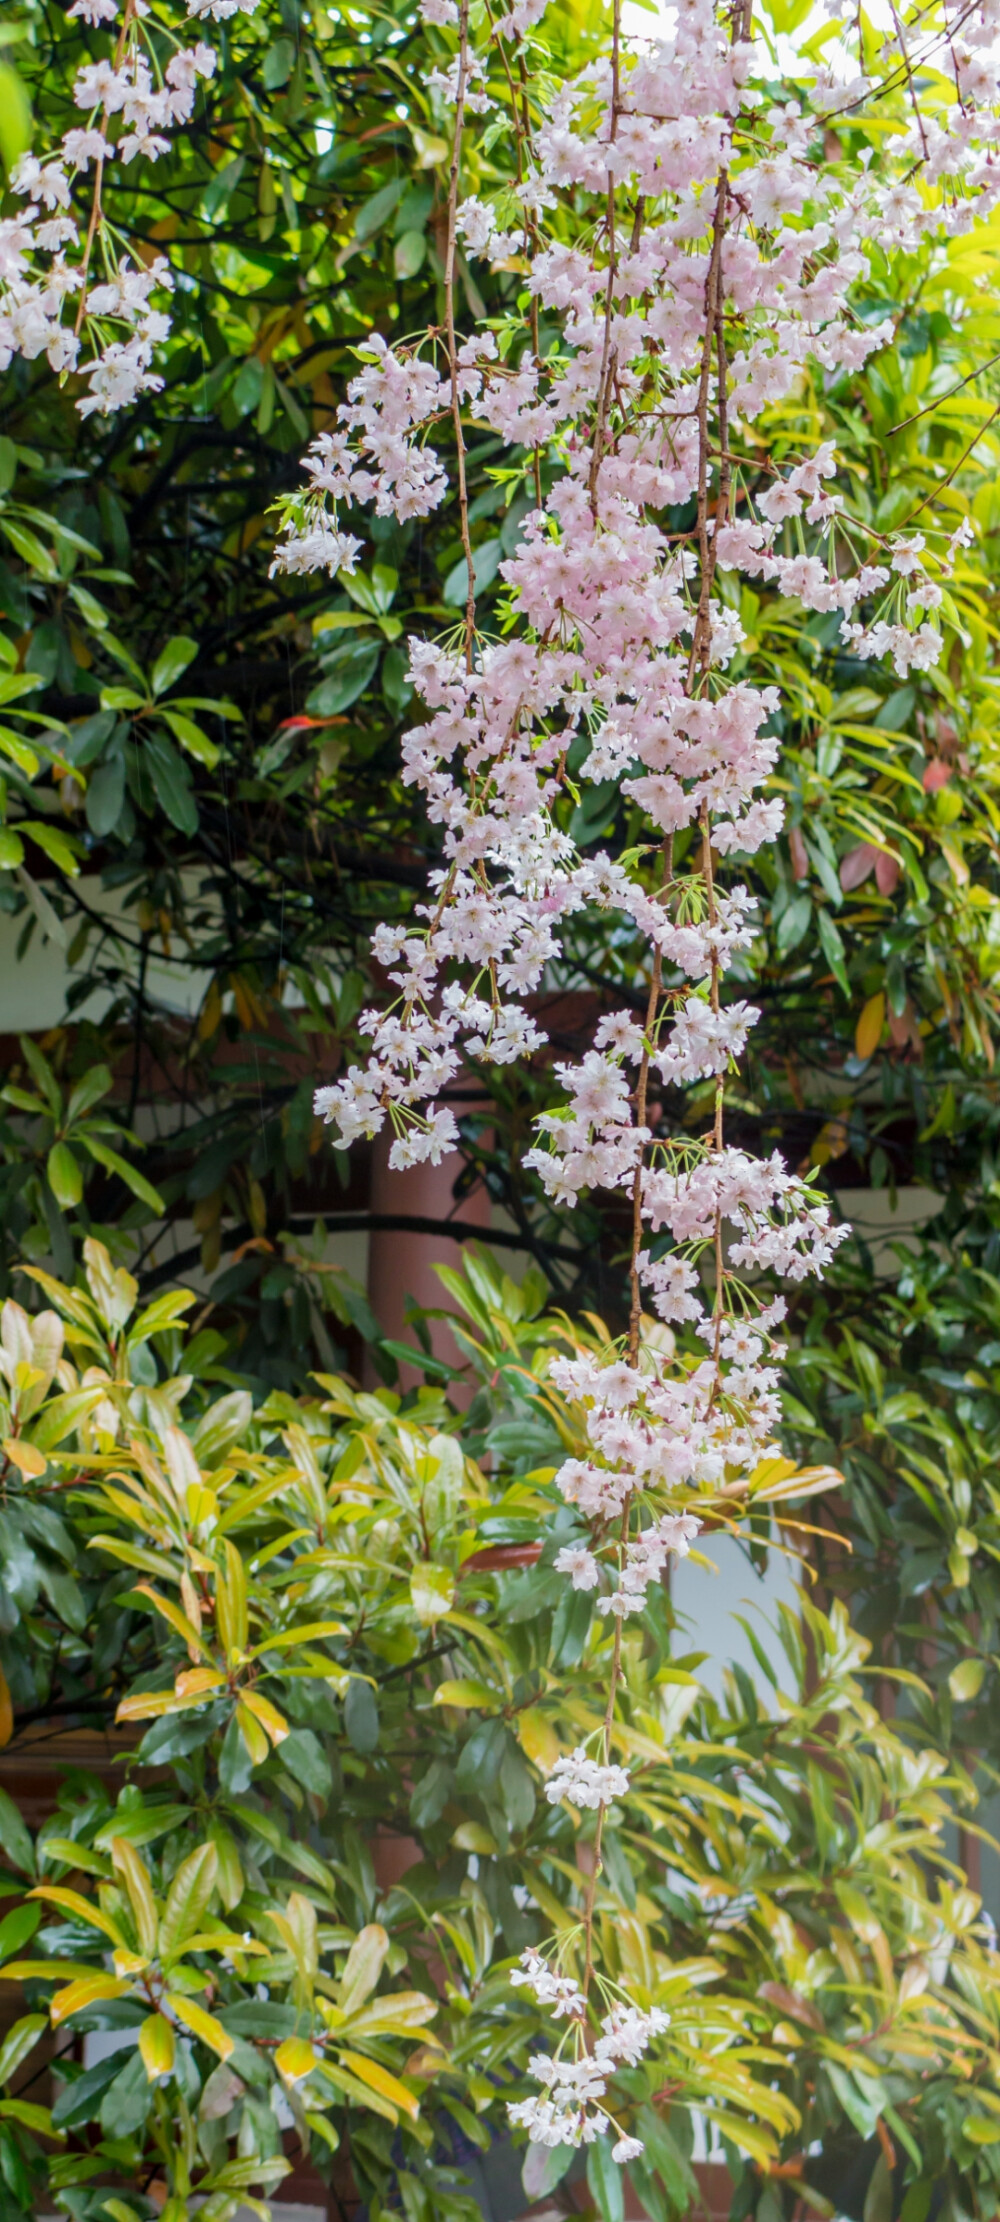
692,239
696,250
49,303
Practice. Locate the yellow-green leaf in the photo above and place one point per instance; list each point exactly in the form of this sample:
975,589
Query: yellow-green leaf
394,2015
966,1680
188,1897
464,1694
201,2024
15,118
432,1592
472,1837
65,1176
135,1875
85,1992
537,1738
868,1032
71,1901
179,1621
295,2059
388,2086
365,1962
157,2045
273,1722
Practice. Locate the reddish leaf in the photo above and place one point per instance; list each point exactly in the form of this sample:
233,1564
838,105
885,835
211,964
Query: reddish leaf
887,873
791,2002
799,854
304,724
496,1556
936,774
857,864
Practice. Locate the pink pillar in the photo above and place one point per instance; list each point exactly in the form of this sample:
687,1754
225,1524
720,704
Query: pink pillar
401,1263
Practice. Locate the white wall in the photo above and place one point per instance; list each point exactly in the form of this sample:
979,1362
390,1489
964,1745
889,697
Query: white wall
709,1599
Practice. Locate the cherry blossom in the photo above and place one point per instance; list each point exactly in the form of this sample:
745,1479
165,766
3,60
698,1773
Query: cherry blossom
693,236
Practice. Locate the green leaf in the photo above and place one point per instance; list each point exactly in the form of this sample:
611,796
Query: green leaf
121,698
31,550
217,705
544,2167
190,1894
966,1680
16,750
140,1824
365,1962
80,2100
65,1176
110,1159
465,1694
431,1794
14,1837
15,118
179,652
62,532
304,1756
105,797
605,2181
880,2198
42,1074
127,2101
57,846
88,1091
172,782
349,671
192,737
793,924
11,850
664,2154
862,2101
19,2041
409,253
486,561
235,1763
60,1415
517,1789
89,607
224,1424
14,685
832,944
17,1927
279,63
361,1716
374,213
163,1312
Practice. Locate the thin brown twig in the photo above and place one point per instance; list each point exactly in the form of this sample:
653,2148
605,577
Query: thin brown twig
95,206
608,353
449,310
905,423
963,458
701,637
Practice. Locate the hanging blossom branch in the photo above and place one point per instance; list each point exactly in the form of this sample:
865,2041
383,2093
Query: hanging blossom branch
693,249
76,295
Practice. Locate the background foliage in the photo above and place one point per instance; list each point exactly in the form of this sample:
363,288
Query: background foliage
320,1609
201,763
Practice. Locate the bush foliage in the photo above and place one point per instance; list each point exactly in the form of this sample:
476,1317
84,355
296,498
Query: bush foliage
324,1621
323,1614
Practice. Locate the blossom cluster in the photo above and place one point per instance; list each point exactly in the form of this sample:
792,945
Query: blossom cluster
575,2080
50,304
696,243
694,240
